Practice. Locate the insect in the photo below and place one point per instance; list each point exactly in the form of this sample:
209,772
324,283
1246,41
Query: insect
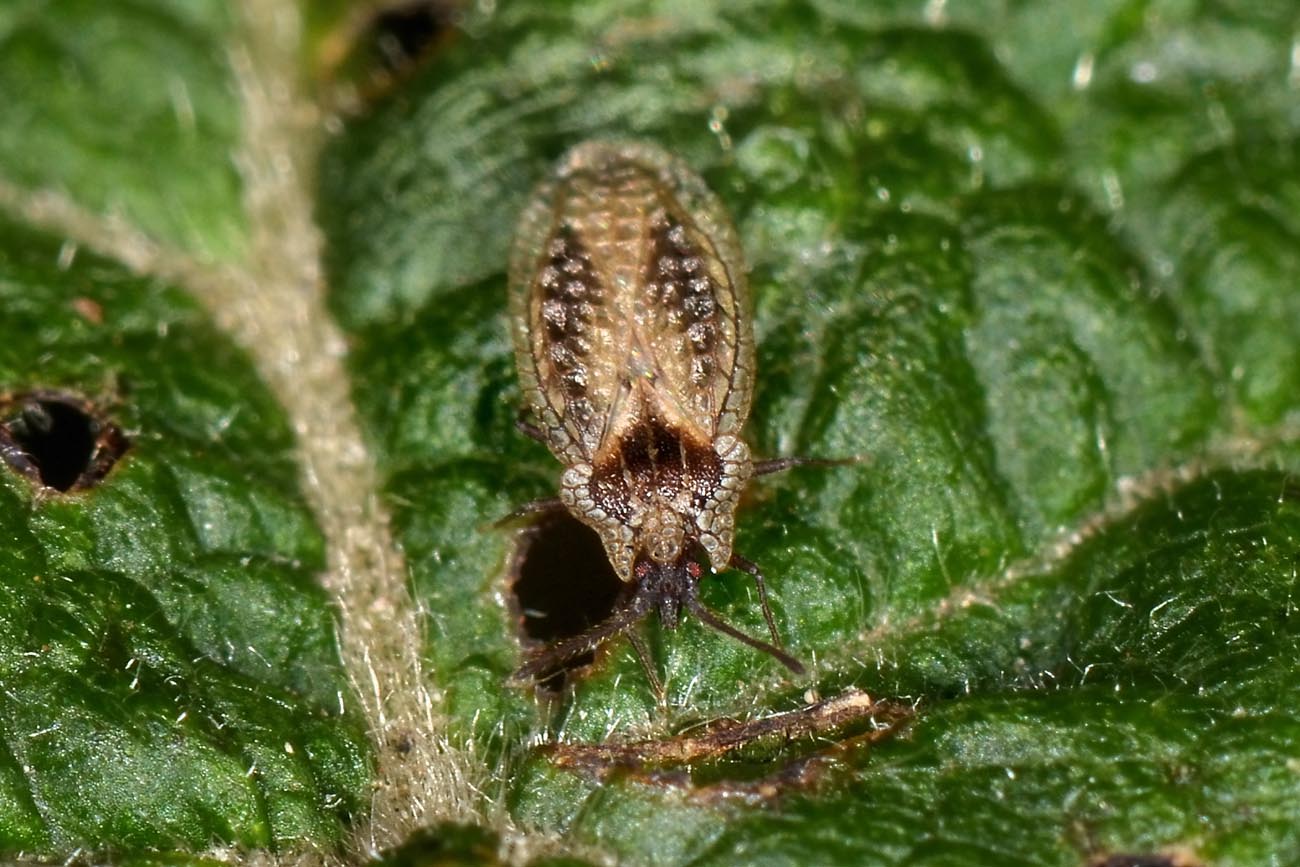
635,352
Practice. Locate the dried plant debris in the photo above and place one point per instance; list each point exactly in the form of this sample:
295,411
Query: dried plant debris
59,441
758,758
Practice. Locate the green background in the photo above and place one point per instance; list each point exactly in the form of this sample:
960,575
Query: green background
1038,263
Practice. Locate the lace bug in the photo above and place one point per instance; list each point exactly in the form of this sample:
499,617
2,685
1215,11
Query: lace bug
635,352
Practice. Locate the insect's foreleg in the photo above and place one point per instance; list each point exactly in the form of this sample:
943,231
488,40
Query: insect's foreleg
532,507
530,430
561,652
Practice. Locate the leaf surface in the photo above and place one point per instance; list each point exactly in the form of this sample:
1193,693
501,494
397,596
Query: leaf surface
168,659
1032,266
1071,543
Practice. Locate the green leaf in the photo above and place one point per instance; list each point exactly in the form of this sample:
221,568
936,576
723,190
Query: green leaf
1071,544
127,108
168,660
1032,266
1144,704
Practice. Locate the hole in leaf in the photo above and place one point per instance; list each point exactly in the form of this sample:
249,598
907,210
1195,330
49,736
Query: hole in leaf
1153,859
403,33
58,440
561,584
447,843
379,44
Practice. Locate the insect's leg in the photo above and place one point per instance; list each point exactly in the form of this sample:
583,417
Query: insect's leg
528,429
532,507
746,565
777,465
16,456
643,654
563,651
710,619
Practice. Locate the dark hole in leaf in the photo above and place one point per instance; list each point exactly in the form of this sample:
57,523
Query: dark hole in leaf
381,44
561,584
58,440
447,844
403,33
1152,859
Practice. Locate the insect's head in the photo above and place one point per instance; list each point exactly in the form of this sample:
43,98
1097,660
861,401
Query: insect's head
667,586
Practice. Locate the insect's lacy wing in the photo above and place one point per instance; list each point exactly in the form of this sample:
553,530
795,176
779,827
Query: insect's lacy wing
694,321
626,273
565,339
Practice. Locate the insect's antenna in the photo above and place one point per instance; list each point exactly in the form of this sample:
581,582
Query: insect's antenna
643,655
562,651
697,608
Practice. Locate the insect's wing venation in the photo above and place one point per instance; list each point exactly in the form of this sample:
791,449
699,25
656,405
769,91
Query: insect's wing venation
691,317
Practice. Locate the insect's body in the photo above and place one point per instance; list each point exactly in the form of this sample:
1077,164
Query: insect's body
635,353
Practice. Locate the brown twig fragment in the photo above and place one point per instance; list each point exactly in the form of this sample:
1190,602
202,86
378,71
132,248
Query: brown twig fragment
833,727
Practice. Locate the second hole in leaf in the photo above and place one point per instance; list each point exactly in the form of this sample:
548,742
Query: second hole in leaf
58,440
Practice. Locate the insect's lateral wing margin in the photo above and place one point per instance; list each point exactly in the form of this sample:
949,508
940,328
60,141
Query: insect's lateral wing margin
560,303
692,309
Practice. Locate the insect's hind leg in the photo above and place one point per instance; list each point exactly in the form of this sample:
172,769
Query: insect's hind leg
532,507
778,465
